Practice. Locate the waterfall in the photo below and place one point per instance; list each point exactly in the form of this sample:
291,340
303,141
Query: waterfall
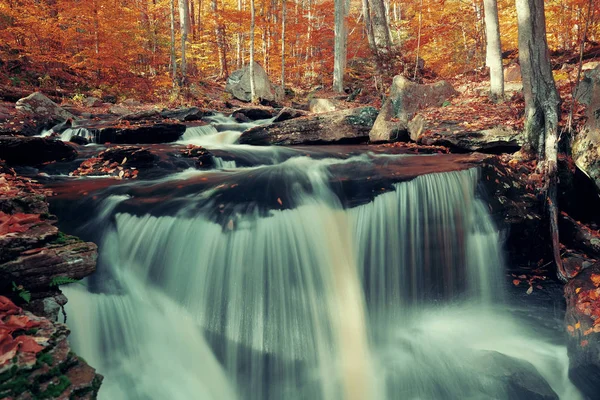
397,298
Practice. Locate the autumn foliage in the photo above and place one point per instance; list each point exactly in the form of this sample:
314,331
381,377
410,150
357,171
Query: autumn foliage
122,47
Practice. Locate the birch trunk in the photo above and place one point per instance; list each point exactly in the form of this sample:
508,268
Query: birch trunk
493,49
283,16
380,25
184,27
339,56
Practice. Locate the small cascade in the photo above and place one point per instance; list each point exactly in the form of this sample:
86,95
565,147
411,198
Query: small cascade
70,133
222,130
397,298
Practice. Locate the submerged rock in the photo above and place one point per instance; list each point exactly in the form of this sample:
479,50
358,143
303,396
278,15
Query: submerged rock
583,327
345,126
34,150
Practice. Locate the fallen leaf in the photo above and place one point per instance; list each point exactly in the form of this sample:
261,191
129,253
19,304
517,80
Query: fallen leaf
530,290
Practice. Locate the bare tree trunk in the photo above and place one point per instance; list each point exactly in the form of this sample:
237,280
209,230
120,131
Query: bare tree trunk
173,58
339,55
283,16
221,49
541,106
369,24
380,25
238,52
493,49
251,66
184,26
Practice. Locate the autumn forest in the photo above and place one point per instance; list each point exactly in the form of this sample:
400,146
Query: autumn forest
118,47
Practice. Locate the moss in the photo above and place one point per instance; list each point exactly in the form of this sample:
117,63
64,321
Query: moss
54,390
14,387
366,117
46,358
61,238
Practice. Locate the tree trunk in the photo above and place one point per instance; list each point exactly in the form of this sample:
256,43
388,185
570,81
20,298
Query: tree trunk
541,105
283,15
173,58
239,61
221,49
368,24
380,26
339,56
493,49
184,26
251,66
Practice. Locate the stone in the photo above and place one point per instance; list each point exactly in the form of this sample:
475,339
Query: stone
34,150
41,363
586,143
590,65
255,113
582,321
92,102
238,85
407,97
385,129
185,114
122,162
512,73
322,105
132,103
289,113
586,85
141,134
109,98
345,126
458,139
119,110
40,105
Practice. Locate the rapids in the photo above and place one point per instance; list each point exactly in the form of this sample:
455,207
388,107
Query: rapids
402,297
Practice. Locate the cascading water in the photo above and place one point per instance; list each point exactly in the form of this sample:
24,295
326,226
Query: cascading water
398,298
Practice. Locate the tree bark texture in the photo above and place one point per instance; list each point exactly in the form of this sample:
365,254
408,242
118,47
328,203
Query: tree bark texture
493,49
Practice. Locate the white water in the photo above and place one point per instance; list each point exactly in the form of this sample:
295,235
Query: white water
393,299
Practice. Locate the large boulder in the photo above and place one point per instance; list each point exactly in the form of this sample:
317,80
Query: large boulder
34,150
586,144
322,105
238,84
40,105
406,98
345,126
583,326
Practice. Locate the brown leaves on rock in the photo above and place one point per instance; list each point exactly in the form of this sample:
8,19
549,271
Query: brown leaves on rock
120,162
17,223
13,340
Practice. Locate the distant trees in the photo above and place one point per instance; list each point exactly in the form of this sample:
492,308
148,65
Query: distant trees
146,45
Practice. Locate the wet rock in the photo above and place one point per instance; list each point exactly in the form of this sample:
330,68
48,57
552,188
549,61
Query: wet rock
186,114
238,84
140,115
34,150
458,138
140,134
121,162
346,126
40,105
583,327
586,86
254,113
204,158
405,99
36,360
289,113
318,106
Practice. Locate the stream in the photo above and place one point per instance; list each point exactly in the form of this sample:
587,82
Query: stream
271,277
